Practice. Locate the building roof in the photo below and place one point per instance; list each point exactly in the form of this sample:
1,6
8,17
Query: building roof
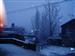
14,30
69,24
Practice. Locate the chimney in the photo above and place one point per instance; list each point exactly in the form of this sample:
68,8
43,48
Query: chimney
13,25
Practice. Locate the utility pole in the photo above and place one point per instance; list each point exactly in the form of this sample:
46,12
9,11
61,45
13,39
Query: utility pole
49,15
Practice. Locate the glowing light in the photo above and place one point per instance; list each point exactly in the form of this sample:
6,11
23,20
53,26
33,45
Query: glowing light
1,25
2,14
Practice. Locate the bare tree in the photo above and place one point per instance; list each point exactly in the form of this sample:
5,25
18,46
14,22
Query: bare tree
54,17
36,25
45,25
50,21
48,25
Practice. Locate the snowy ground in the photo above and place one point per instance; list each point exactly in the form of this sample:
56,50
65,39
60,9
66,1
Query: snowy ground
13,50
57,51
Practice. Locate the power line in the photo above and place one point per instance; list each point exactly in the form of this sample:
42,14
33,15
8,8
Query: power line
25,9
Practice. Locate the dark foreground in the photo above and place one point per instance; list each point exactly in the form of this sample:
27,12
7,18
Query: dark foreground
13,50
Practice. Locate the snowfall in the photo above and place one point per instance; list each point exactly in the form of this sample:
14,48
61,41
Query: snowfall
13,50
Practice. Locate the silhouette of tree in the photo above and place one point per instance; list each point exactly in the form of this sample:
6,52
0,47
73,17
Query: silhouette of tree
50,21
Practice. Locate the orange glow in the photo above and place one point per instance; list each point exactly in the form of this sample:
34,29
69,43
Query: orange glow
2,15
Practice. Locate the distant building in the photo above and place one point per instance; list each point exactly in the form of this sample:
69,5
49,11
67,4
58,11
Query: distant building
13,32
68,33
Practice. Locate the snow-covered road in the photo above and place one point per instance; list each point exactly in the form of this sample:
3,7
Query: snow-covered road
57,51
13,50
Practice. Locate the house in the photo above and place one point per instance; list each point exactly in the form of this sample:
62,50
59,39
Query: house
68,33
